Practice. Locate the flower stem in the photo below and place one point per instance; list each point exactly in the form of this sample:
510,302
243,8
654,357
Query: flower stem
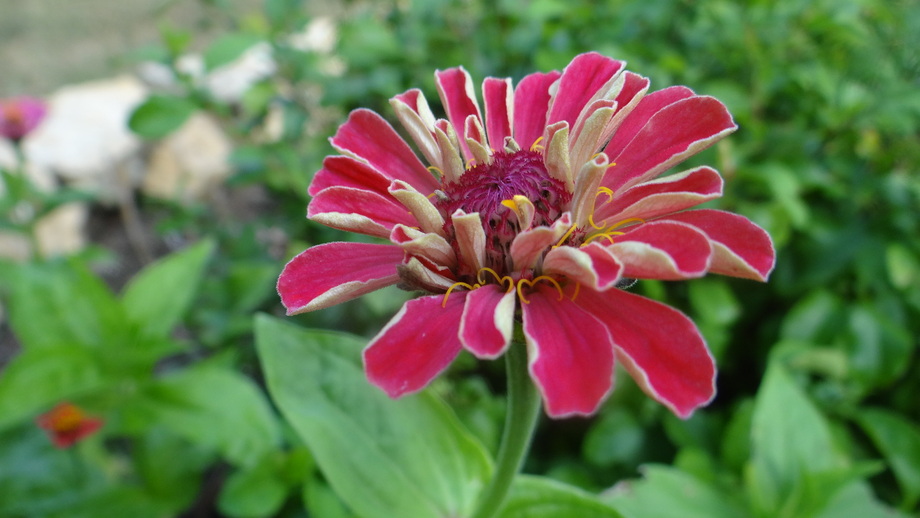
520,422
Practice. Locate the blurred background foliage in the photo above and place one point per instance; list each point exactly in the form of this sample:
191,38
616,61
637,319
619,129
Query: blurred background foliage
817,412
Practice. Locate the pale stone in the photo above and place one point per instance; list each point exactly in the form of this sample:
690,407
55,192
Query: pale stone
85,138
188,164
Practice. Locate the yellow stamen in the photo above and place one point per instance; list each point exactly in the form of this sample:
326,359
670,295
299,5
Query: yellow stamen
593,224
607,191
566,236
577,290
535,280
454,285
436,169
609,235
500,279
536,145
471,163
627,220
611,165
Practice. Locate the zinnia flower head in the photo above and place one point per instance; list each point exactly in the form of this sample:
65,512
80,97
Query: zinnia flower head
67,423
536,211
19,116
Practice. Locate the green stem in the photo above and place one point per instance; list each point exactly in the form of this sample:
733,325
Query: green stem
520,422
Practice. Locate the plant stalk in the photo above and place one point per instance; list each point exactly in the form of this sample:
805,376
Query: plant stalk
520,423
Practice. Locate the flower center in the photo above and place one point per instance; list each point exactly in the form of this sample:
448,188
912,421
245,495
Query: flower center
484,187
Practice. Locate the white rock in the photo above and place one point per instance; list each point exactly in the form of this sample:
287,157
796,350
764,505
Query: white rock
188,164
229,82
320,35
85,138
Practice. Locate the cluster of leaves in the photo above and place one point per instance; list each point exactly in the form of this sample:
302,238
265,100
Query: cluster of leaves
819,371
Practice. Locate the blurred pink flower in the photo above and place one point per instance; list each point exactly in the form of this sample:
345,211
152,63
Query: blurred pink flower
19,116
67,423
543,234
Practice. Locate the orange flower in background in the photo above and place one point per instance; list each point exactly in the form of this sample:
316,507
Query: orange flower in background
67,423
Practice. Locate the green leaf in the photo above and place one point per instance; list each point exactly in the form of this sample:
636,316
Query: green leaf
254,492
665,492
384,458
158,296
36,380
210,406
155,455
857,501
227,48
903,266
880,349
616,438
794,459
899,441
56,304
160,115
539,497
320,500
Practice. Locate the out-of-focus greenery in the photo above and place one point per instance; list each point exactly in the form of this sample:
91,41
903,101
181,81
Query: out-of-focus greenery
817,412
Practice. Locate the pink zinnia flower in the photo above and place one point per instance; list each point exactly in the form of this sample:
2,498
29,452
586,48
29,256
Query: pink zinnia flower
535,212
19,116
67,423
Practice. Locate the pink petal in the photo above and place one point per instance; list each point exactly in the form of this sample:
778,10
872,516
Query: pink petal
354,210
571,353
531,105
661,196
672,134
640,115
741,248
416,345
580,81
488,321
420,273
470,239
592,265
368,136
662,250
430,246
331,273
414,114
529,245
499,101
345,171
634,88
459,99
659,346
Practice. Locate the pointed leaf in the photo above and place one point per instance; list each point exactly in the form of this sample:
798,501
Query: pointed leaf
538,497
383,457
666,492
158,296
211,406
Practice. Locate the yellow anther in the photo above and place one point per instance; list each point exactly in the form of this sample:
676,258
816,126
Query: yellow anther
577,290
593,224
536,145
436,169
510,204
564,237
471,163
535,280
607,191
454,285
499,278
609,235
627,220
611,165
